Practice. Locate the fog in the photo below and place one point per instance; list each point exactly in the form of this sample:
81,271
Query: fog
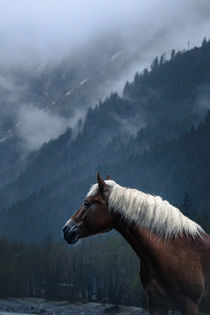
36,34
38,126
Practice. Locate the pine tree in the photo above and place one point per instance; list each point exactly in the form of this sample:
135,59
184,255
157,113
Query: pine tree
187,206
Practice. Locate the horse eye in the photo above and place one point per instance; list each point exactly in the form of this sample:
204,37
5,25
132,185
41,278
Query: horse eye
86,203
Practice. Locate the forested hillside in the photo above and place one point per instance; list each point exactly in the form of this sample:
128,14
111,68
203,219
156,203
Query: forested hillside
172,168
151,138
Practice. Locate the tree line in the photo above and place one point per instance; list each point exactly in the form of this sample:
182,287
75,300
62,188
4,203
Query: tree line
98,269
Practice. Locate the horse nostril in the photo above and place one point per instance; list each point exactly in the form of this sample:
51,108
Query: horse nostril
65,228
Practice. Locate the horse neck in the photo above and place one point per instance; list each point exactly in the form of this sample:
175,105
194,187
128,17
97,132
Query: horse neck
145,243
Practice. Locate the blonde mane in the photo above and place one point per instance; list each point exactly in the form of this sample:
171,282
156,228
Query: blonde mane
149,211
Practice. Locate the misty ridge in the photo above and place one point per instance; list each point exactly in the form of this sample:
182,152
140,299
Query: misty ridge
39,105
57,73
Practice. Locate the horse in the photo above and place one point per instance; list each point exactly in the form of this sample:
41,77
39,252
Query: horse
174,251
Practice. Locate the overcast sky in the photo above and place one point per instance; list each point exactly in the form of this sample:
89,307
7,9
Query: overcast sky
38,31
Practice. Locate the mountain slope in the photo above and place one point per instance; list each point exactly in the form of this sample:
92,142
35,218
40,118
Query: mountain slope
151,101
158,106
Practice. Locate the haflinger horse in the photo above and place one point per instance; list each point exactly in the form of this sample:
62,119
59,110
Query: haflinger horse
174,251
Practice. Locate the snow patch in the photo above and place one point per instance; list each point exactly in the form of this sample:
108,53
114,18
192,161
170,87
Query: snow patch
83,82
8,135
116,55
69,92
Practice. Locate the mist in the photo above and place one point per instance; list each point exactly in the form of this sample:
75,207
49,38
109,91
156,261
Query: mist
37,32
38,126
104,42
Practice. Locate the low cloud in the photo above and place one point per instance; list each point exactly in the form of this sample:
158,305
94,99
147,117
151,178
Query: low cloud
38,32
37,126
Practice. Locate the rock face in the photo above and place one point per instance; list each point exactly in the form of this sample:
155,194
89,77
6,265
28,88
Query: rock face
29,306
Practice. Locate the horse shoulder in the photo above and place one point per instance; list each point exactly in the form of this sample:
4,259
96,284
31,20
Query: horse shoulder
175,271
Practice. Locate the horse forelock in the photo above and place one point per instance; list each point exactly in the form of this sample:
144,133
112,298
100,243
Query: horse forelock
148,211
94,188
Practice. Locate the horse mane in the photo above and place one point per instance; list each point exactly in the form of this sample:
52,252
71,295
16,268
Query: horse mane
149,211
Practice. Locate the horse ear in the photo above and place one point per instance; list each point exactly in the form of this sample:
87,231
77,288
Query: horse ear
108,177
101,183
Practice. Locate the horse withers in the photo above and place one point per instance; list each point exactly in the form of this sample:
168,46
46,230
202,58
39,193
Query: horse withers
174,251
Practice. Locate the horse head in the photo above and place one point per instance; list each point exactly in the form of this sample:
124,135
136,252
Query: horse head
93,217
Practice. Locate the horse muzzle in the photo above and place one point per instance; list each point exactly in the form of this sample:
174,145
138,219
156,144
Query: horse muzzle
71,232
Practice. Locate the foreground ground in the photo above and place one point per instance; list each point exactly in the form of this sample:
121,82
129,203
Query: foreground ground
26,306
31,306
